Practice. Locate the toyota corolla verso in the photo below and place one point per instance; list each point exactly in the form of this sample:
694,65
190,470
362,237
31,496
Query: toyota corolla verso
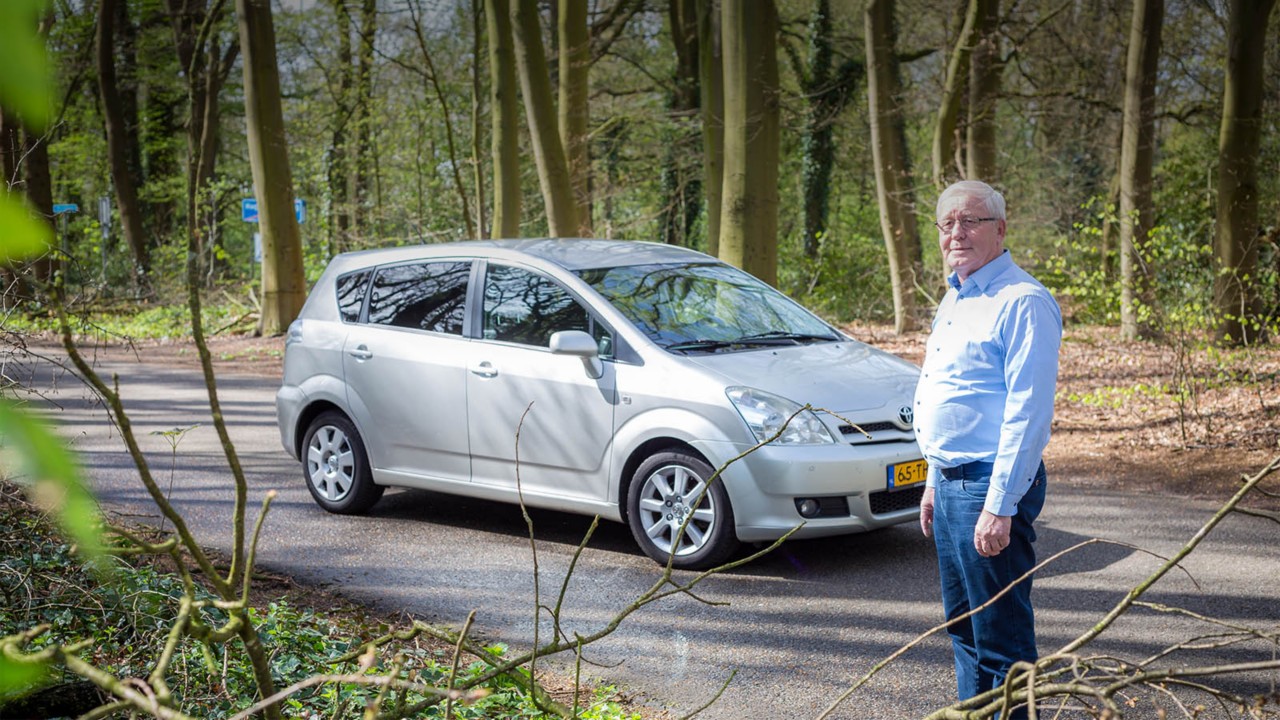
628,372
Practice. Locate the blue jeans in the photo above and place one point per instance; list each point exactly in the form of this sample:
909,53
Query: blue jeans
988,643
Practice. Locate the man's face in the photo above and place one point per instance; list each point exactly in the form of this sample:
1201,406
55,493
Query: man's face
964,248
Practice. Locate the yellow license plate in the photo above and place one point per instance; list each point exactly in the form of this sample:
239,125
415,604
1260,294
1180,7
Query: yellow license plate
908,473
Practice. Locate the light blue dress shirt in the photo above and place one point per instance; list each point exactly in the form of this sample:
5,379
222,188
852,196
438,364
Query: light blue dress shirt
989,377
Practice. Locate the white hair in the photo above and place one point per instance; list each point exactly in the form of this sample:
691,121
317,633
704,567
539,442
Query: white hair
988,195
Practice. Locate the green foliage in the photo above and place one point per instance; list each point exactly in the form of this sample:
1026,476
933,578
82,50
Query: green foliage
24,82
127,623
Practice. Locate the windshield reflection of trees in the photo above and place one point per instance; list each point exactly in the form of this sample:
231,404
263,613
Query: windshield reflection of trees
422,296
675,304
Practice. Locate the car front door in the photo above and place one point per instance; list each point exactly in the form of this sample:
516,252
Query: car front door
516,387
405,368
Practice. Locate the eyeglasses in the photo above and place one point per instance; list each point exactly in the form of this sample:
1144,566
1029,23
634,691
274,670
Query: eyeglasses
968,223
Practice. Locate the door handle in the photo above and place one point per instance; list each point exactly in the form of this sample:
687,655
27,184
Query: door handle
485,369
361,352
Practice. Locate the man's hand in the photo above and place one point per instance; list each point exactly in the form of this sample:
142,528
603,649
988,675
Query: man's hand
992,534
926,512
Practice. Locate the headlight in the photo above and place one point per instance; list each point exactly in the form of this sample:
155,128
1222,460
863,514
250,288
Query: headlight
766,413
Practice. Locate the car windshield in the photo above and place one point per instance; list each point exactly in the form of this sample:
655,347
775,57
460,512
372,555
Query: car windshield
706,307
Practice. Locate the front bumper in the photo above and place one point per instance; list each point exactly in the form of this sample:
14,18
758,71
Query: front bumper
850,483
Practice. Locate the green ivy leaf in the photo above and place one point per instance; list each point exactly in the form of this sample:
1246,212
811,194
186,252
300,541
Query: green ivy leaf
24,86
23,235
50,470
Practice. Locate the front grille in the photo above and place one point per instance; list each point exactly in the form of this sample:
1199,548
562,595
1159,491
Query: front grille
885,502
869,427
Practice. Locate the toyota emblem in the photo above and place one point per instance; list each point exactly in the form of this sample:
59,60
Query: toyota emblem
906,414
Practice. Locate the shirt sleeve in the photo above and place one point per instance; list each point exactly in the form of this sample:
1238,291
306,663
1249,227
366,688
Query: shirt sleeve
1031,334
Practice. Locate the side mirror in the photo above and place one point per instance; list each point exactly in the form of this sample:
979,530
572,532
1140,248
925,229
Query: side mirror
580,345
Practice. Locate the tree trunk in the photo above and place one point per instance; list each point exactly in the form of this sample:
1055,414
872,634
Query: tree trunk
893,173
945,128
340,173
828,91
505,132
117,145
749,206
548,152
575,115
477,168
1137,155
363,166
1236,243
681,189
284,287
711,99
985,66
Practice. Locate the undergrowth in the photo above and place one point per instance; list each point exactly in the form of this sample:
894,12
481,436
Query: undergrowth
127,618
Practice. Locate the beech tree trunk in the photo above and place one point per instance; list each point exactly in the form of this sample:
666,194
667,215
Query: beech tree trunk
681,188
985,66
711,99
117,145
893,171
1236,243
505,132
284,286
548,152
945,168
749,206
1137,155
574,118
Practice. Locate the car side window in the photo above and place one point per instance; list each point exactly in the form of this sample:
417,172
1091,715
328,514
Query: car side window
527,308
351,290
422,296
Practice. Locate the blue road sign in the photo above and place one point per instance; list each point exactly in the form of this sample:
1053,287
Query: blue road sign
60,208
249,210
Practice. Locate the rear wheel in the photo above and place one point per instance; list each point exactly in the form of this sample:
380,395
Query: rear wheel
336,466
668,488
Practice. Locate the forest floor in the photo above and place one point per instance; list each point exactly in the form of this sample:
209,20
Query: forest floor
1184,418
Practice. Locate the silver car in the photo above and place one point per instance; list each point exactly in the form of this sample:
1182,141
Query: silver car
606,378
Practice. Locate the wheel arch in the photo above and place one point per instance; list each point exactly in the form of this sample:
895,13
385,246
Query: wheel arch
308,415
643,452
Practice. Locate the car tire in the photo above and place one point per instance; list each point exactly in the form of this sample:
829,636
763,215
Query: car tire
336,466
662,493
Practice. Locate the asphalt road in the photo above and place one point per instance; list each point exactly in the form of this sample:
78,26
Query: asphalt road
796,627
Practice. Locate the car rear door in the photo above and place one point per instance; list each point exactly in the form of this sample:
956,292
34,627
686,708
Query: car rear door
405,368
515,384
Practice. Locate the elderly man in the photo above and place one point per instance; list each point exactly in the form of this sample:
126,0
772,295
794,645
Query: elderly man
983,409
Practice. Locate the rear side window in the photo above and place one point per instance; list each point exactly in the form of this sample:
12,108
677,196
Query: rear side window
421,296
351,291
526,308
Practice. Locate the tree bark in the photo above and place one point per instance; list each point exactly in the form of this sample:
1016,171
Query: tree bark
711,100
681,188
477,168
364,193
985,66
118,146
548,152
1137,155
945,128
284,287
575,115
749,206
340,174
505,132
892,168
1236,242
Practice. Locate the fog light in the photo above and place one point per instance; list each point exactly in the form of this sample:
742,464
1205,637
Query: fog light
808,507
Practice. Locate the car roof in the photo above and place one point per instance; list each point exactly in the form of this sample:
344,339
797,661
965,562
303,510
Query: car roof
572,254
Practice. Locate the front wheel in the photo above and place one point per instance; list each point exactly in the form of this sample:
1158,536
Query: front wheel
668,488
336,466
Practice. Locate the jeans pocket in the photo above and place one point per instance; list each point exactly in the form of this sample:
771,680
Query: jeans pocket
975,489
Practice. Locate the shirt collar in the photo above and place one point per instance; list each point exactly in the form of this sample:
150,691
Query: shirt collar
983,276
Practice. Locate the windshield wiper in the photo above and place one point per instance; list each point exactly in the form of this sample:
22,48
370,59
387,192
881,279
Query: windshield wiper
784,337
707,345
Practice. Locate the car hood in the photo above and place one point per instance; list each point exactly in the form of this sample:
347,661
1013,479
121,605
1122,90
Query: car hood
842,377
